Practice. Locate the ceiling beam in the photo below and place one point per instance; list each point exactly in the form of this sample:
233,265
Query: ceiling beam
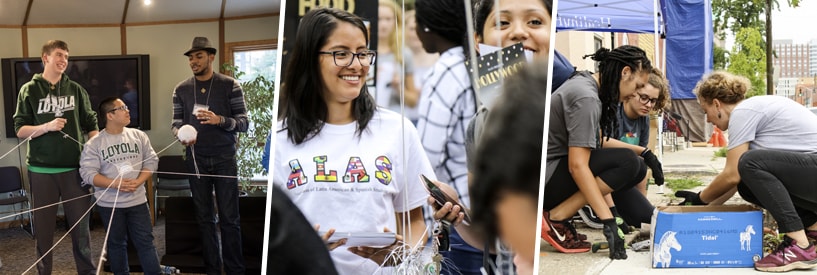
125,12
28,12
221,55
24,29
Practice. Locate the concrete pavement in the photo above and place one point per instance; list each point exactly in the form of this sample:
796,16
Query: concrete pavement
697,162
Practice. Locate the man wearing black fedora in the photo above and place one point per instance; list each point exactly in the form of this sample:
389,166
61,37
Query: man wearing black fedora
214,105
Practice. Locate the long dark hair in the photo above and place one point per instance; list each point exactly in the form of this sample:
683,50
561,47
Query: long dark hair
302,106
445,18
611,63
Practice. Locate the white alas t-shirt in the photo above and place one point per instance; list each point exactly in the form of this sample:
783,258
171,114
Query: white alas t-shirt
354,183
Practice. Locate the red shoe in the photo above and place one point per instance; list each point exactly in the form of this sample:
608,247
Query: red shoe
562,236
788,256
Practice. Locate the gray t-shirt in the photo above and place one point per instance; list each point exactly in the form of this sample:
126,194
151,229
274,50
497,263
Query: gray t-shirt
113,155
773,122
575,111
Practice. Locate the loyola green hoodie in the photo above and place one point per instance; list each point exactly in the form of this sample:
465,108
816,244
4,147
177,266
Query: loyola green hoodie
37,103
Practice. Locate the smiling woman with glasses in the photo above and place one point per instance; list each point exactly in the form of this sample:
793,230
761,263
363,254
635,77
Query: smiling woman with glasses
340,157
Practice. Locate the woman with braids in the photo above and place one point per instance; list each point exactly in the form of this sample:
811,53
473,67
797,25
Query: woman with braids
583,163
340,158
634,128
447,105
764,164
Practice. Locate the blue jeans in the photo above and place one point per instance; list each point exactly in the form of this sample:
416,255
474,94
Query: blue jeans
229,220
464,259
130,223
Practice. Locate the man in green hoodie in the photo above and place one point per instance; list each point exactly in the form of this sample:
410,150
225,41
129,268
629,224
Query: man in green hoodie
55,113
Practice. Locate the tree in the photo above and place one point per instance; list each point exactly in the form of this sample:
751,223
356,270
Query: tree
748,59
737,15
721,57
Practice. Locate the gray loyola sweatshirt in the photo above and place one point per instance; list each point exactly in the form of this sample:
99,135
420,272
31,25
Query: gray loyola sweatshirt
113,154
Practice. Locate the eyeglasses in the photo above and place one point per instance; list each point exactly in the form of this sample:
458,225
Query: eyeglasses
344,58
644,99
123,108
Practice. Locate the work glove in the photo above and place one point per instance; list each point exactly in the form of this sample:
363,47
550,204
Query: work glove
690,198
652,161
623,226
615,239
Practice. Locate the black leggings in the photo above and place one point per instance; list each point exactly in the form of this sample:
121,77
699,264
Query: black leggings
633,206
620,168
785,183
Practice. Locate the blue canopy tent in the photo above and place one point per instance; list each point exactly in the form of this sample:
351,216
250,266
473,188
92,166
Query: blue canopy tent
686,24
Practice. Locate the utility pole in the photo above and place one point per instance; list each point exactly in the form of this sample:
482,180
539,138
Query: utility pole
769,65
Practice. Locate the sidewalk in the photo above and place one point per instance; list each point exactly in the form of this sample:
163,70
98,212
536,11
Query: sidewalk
695,162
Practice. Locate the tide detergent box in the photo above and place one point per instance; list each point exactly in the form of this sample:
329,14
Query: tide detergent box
706,236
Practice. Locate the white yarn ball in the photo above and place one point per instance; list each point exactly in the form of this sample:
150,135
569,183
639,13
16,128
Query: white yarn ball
187,133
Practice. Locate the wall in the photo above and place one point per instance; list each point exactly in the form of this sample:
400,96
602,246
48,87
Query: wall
168,66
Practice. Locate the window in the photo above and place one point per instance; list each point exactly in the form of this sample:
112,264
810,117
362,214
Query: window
253,58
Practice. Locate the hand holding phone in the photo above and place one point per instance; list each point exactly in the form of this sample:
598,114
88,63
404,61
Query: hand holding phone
441,197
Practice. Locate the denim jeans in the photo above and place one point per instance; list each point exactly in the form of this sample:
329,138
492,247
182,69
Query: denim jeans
226,200
783,183
131,223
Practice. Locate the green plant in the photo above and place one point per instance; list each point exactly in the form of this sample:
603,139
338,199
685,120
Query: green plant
683,183
721,153
259,93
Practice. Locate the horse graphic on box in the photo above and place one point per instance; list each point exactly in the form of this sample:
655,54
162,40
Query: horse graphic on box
746,238
662,254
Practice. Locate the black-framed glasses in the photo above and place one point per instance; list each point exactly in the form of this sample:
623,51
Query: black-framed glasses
123,108
644,99
344,58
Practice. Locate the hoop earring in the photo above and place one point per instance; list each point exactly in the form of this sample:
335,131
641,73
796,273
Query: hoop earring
719,114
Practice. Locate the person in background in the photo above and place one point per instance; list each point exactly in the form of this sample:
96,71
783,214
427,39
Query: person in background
447,105
53,160
117,162
522,21
423,61
394,62
764,165
214,105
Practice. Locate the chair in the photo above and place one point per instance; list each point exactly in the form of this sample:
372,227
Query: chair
170,176
12,185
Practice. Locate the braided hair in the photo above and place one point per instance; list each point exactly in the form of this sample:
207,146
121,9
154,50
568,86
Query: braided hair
444,17
611,63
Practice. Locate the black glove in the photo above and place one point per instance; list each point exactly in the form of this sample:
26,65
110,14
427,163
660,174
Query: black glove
615,239
652,161
690,198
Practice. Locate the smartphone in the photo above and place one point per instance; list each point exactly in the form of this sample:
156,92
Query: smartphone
441,198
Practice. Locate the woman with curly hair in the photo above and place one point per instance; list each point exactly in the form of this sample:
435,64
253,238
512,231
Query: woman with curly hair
772,152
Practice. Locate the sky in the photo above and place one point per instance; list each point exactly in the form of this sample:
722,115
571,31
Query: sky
795,23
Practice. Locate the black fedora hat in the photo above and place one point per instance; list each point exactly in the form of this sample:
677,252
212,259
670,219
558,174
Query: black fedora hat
201,43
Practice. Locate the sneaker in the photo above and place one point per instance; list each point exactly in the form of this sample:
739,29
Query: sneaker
562,236
168,270
589,217
545,229
788,256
